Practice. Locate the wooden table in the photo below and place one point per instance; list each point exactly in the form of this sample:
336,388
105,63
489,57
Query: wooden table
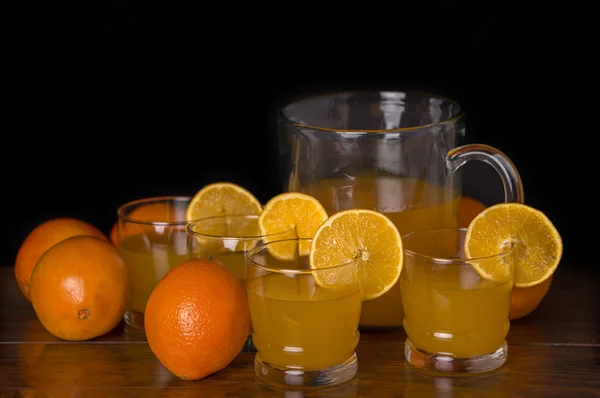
555,352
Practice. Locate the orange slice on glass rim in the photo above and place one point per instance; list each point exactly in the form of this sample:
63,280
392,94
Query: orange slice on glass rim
537,244
297,214
370,234
222,199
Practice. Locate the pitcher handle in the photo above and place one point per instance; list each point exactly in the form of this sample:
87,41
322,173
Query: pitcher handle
513,186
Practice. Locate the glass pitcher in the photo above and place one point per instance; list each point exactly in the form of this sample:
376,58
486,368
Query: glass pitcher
396,152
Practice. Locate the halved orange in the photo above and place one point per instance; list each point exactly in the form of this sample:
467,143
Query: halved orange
220,199
537,244
367,232
297,214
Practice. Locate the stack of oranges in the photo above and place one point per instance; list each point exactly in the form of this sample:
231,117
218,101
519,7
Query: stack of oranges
74,278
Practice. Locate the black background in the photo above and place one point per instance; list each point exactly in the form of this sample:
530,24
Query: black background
118,100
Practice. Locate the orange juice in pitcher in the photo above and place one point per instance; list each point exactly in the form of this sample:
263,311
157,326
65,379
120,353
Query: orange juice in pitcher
396,152
411,204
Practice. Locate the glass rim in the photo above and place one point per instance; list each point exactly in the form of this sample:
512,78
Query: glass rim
169,198
309,271
191,224
449,120
447,260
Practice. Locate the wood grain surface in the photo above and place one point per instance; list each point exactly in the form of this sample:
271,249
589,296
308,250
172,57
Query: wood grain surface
554,352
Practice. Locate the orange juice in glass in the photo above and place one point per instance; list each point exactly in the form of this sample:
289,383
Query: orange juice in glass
305,333
455,319
151,239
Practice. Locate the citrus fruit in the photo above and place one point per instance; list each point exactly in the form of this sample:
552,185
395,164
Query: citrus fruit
41,238
295,214
79,287
222,198
469,209
537,244
197,319
525,300
367,232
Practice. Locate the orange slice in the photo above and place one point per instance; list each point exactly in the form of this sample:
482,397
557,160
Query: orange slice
297,214
538,245
220,199
371,234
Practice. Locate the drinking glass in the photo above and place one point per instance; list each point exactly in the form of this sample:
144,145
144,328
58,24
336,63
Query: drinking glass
456,320
396,152
152,239
305,330
227,240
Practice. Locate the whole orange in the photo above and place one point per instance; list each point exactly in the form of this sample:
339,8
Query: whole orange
197,319
525,300
79,287
43,237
